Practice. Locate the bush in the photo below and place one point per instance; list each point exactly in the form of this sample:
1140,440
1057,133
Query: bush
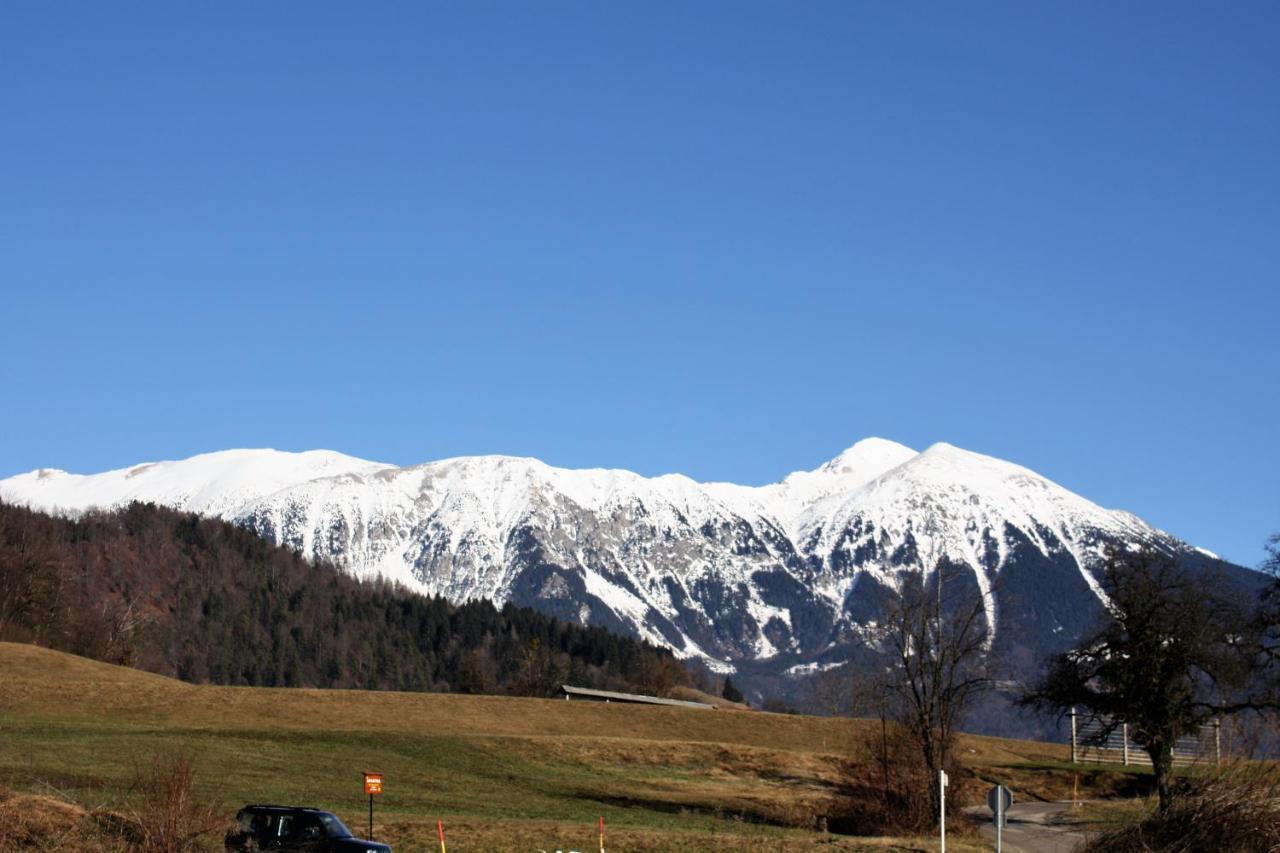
890,794
167,814
1236,809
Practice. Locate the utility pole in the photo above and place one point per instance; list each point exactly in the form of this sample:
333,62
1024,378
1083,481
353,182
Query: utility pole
1074,754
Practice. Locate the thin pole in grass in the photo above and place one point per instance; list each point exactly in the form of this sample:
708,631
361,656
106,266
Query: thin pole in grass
942,811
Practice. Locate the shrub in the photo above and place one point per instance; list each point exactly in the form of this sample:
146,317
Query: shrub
1236,809
168,814
890,794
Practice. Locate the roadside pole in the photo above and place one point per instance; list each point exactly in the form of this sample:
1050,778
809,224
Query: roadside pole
999,824
942,811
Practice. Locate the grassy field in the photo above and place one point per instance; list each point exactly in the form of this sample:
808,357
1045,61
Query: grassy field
503,773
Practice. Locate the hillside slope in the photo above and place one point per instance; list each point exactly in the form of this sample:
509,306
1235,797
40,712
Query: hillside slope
501,772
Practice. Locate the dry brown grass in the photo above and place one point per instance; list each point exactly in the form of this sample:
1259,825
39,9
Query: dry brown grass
507,837
160,813
70,687
46,823
477,761
1236,809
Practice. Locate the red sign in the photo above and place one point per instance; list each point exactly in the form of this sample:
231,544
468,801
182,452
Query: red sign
373,783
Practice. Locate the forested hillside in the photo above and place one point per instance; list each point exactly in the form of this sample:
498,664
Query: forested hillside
207,601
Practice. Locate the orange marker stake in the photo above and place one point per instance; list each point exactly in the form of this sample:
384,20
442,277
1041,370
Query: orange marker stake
440,832
601,833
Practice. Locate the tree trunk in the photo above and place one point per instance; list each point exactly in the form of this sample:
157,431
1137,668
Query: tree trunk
932,766
1162,766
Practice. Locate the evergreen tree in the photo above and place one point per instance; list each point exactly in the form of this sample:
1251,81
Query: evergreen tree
205,600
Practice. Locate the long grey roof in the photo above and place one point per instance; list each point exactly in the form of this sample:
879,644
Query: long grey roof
631,697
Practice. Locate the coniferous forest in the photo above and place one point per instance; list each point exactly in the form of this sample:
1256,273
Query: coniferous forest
207,601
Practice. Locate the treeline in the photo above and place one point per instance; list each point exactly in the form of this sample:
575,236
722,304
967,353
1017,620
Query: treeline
206,601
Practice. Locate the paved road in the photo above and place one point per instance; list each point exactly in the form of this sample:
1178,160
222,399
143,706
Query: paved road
1030,828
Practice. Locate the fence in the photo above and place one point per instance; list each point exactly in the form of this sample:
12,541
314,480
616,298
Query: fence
1091,742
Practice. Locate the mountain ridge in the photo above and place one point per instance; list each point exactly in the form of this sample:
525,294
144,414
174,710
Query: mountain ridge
728,573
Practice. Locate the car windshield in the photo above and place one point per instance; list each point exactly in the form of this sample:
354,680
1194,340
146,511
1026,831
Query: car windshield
333,827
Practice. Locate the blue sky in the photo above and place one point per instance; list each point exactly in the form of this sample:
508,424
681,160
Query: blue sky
728,239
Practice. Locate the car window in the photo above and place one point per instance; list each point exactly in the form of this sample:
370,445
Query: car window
333,827
260,826
306,828
285,828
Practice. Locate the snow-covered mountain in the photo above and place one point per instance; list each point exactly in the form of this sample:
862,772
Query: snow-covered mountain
774,575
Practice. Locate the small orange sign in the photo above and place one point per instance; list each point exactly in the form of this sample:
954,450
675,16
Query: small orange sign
372,783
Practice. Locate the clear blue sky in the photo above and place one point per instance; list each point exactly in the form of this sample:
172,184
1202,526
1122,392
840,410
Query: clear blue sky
727,239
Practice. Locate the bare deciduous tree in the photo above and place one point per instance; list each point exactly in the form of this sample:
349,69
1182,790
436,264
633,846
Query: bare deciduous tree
935,642
32,581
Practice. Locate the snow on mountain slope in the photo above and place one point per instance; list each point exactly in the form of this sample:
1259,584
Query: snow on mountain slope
788,501
967,508
721,571
211,483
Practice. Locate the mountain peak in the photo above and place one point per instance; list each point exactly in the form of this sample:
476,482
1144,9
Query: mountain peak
869,458
951,462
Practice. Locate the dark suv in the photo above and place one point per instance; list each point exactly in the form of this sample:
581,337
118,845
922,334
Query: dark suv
293,828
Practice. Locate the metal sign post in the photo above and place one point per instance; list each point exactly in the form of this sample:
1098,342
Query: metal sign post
942,811
372,786
1000,824
999,799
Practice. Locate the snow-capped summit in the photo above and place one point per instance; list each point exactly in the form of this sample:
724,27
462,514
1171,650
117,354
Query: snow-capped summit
735,574
866,460
945,496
